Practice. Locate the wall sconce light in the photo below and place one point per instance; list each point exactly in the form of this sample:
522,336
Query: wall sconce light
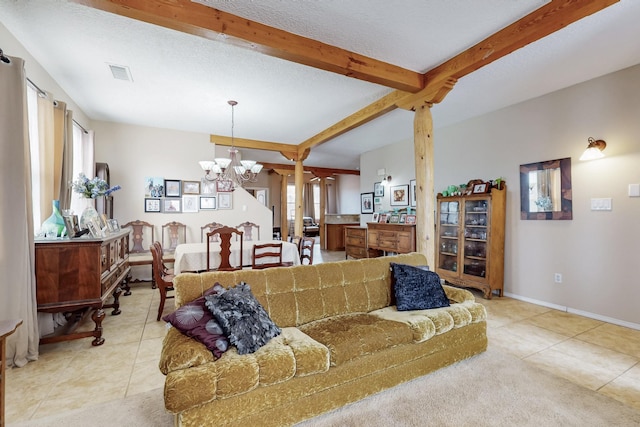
594,149
386,181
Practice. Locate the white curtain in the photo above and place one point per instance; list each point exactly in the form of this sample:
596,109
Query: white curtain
17,287
308,202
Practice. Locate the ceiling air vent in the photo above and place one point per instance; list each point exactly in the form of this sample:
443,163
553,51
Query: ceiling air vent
120,72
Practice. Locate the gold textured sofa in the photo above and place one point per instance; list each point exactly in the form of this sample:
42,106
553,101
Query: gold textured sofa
341,341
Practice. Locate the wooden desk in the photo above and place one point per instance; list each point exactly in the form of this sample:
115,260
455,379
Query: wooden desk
77,276
193,256
7,327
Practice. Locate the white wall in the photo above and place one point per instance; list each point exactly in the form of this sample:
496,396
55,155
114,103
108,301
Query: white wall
596,252
397,160
135,152
348,194
38,75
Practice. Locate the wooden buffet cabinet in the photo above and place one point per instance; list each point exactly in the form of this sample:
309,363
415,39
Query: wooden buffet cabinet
470,240
77,277
397,238
376,238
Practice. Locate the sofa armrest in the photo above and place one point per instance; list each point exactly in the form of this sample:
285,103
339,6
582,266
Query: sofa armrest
458,295
181,352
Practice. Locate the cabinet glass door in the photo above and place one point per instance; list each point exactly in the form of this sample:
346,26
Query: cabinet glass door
475,236
448,248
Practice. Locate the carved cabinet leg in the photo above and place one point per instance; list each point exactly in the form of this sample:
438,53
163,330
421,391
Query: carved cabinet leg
97,317
116,301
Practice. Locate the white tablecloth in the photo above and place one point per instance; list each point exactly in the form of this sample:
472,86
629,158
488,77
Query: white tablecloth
193,256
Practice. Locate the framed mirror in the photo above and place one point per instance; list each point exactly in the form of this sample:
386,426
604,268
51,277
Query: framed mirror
545,190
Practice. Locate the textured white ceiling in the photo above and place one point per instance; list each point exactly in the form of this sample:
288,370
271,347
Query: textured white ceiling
184,82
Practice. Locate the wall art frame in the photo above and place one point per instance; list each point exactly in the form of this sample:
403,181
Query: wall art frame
399,195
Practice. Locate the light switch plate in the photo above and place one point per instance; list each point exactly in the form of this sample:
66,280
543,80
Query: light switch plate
601,204
634,190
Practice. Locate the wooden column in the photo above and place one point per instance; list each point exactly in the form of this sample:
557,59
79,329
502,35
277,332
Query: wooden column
299,184
425,199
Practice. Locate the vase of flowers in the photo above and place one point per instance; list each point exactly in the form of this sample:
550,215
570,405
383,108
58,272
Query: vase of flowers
91,189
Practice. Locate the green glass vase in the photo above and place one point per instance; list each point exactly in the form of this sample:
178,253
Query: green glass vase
54,225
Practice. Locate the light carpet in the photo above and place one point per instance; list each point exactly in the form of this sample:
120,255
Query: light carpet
491,389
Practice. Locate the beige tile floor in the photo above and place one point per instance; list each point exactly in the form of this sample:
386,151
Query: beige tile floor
597,355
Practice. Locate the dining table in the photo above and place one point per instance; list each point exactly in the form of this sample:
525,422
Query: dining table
192,257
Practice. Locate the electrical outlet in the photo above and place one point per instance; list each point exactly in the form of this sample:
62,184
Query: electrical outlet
557,278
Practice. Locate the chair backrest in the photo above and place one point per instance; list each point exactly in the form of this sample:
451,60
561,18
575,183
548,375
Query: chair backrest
306,249
209,227
272,251
159,274
296,240
160,251
175,233
225,233
141,231
248,227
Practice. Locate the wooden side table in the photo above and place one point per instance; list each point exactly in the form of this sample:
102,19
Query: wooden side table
7,327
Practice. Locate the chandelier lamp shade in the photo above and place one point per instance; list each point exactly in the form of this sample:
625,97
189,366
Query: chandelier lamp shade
231,169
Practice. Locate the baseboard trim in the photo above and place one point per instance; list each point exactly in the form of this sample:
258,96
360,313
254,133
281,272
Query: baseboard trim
575,311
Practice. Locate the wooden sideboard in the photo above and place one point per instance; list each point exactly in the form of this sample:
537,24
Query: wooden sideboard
335,236
355,239
396,238
77,276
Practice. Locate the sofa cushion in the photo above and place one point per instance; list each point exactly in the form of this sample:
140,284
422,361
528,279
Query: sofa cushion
349,336
417,289
195,320
244,320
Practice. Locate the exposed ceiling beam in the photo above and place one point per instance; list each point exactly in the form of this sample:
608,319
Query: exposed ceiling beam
204,21
546,20
282,168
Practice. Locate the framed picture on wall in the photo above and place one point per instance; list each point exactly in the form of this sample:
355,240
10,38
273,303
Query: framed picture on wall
190,187
378,189
189,204
225,201
154,186
366,203
151,205
400,195
412,192
172,205
208,203
207,187
172,187
225,186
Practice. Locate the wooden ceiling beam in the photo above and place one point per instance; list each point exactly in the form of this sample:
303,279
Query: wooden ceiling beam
317,171
543,21
204,21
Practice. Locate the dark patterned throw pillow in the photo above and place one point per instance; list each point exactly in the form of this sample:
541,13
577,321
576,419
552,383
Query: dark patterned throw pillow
417,289
243,319
195,320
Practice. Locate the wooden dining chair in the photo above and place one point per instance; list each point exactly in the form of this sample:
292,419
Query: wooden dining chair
164,281
175,233
247,227
267,250
141,233
162,257
209,227
306,249
225,234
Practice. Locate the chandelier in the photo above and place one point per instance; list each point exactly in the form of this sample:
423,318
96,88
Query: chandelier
231,171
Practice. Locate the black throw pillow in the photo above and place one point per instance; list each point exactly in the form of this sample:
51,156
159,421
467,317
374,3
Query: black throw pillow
417,289
243,319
